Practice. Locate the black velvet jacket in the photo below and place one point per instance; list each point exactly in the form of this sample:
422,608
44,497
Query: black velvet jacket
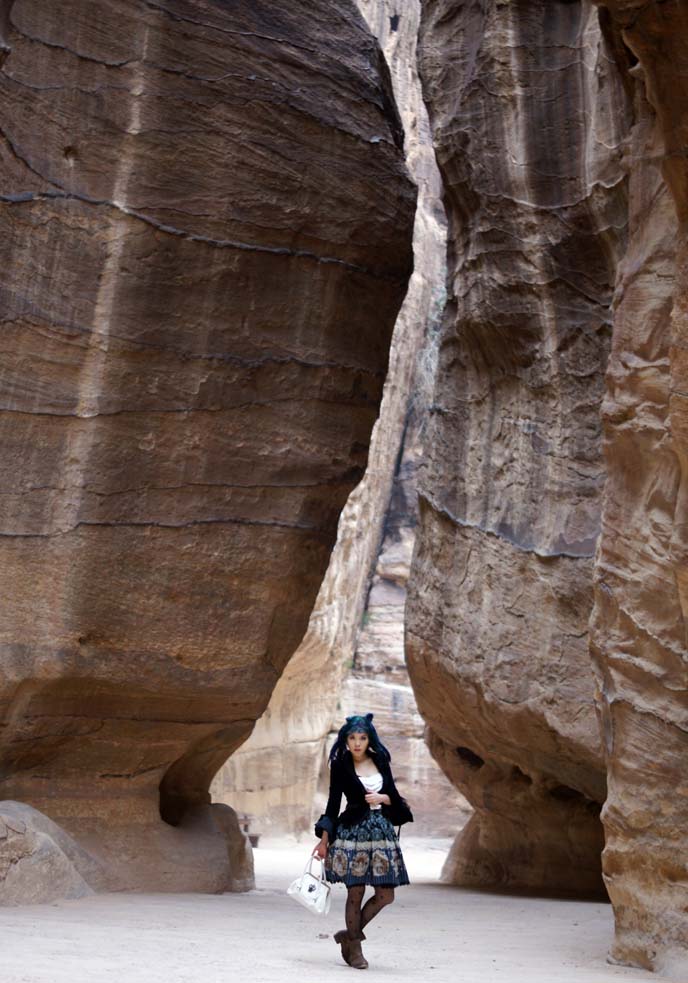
344,781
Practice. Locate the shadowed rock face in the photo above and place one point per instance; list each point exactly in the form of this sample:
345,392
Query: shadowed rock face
206,236
641,591
528,113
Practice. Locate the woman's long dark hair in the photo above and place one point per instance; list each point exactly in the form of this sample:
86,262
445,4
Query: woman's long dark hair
359,725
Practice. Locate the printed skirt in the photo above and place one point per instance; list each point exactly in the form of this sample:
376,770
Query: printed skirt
366,853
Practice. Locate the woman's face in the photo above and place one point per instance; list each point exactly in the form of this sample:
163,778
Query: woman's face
357,743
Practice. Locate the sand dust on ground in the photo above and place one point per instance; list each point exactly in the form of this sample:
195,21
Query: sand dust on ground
431,933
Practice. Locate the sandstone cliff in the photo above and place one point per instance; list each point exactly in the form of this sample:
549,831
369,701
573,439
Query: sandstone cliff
528,112
641,586
206,237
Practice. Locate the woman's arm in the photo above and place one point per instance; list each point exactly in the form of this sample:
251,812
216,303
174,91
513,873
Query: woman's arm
325,826
401,812
378,799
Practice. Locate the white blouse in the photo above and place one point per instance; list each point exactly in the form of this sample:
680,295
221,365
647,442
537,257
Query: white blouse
372,783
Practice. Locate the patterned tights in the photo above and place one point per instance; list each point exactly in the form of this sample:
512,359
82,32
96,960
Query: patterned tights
357,917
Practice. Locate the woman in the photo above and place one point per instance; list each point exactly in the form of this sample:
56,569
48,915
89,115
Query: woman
360,847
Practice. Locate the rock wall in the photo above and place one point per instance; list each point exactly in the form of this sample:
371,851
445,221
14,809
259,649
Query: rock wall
528,112
206,237
273,778
641,586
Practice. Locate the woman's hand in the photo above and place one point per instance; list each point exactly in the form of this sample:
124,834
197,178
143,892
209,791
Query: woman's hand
320,849
376,799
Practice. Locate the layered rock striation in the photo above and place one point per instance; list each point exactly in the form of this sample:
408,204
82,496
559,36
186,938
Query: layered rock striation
529,112
639,642
206,237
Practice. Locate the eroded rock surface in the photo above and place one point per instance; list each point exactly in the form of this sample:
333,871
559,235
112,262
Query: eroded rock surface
528,113
641,586
206,237
39,863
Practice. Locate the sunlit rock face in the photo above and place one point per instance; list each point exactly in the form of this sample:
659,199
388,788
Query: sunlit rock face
206,238
274,776
641,585
528,112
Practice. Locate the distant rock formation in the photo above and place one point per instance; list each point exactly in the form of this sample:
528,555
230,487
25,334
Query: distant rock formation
528,112
206,238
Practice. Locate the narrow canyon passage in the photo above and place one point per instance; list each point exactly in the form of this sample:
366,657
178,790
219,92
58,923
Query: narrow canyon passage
431,932
343,375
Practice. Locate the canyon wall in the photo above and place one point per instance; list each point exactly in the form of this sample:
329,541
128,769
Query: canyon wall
352,659
538,112
528,111
641,581
206,237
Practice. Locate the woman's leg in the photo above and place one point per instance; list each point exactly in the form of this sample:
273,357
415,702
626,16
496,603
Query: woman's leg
354,897
354,956
382,897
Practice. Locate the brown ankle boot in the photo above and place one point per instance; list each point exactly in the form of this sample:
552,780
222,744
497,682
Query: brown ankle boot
356,957
342,939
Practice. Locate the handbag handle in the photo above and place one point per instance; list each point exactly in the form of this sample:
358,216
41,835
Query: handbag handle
307,869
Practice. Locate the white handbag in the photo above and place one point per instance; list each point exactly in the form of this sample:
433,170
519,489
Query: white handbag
311,891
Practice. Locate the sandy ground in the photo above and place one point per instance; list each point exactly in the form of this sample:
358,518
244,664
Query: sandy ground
431,932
